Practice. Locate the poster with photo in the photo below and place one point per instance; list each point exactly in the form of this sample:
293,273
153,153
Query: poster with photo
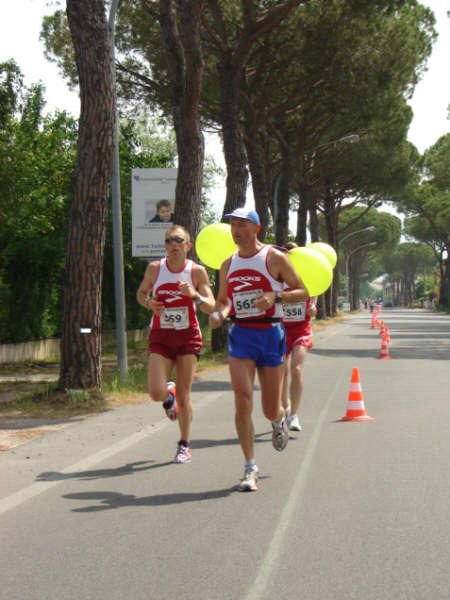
152,205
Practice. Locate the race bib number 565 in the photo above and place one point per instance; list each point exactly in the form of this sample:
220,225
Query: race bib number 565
244,303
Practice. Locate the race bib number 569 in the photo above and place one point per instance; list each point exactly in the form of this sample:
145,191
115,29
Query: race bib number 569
175,318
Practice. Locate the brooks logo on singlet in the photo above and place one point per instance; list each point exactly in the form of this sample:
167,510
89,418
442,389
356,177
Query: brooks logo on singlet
245,278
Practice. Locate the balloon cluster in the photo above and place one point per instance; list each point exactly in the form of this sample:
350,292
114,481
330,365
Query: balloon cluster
313,263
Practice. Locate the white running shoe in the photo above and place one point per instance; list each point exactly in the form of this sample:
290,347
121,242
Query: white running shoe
183,454
293,423
280,435
249,482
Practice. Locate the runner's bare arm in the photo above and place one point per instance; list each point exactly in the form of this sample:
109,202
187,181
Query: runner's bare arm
143,294
201,293
281,269
222,306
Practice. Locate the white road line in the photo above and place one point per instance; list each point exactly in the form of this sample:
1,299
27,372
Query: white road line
33,490
270,564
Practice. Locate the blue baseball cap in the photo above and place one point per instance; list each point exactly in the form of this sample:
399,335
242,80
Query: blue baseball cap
243,213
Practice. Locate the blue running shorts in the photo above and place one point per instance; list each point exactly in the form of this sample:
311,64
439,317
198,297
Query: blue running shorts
266,347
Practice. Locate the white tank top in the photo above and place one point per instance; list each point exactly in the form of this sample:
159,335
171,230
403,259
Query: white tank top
248,277
179,311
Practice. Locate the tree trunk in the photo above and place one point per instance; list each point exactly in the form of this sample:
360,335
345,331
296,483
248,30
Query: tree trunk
302,215
331,222
313,220
258,172
180,24
444,290
81,320
281,200
233,139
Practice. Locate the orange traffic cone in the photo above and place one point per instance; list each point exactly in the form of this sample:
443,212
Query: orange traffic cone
355,403
384,352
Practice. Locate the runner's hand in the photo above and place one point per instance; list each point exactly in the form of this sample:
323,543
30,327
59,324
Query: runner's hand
264,301
215,320
186,289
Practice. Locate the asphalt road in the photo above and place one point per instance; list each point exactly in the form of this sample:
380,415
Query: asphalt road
350,510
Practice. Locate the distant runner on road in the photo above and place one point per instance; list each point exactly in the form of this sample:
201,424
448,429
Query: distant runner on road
299,336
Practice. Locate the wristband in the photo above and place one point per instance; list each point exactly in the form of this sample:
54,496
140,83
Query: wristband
199,299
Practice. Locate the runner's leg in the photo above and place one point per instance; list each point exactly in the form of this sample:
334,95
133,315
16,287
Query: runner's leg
271,379
186,365
285,387
159,368
296,371
242,373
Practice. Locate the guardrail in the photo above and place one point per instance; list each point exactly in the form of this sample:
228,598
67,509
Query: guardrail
49,349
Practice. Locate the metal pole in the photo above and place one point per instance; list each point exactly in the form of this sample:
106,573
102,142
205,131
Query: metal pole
119,280
368,228
347,280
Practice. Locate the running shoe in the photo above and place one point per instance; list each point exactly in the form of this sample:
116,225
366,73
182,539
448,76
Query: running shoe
280,435
249,482
293,423
172,408
183,454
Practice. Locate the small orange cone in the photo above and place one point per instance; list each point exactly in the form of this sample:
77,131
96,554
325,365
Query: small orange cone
355,403
384,352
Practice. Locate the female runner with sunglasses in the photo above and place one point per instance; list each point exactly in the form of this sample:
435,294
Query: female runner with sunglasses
173,288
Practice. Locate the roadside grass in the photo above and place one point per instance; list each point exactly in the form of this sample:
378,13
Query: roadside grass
36,399
44,400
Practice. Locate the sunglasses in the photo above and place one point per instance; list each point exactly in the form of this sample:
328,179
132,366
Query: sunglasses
176,238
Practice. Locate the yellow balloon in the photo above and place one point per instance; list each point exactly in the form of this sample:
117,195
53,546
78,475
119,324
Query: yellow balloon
326,250
214,244
313,268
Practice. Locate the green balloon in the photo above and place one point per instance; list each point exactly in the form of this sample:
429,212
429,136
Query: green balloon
313,268
214,244
326,250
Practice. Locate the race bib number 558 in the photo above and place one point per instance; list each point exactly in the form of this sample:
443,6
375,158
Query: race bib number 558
294,312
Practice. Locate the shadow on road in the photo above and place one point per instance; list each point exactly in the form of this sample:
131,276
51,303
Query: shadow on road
127,469
416,352
111,500
33,422
340,352
143,465
204,385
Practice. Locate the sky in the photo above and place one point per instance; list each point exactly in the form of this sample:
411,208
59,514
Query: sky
19,39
